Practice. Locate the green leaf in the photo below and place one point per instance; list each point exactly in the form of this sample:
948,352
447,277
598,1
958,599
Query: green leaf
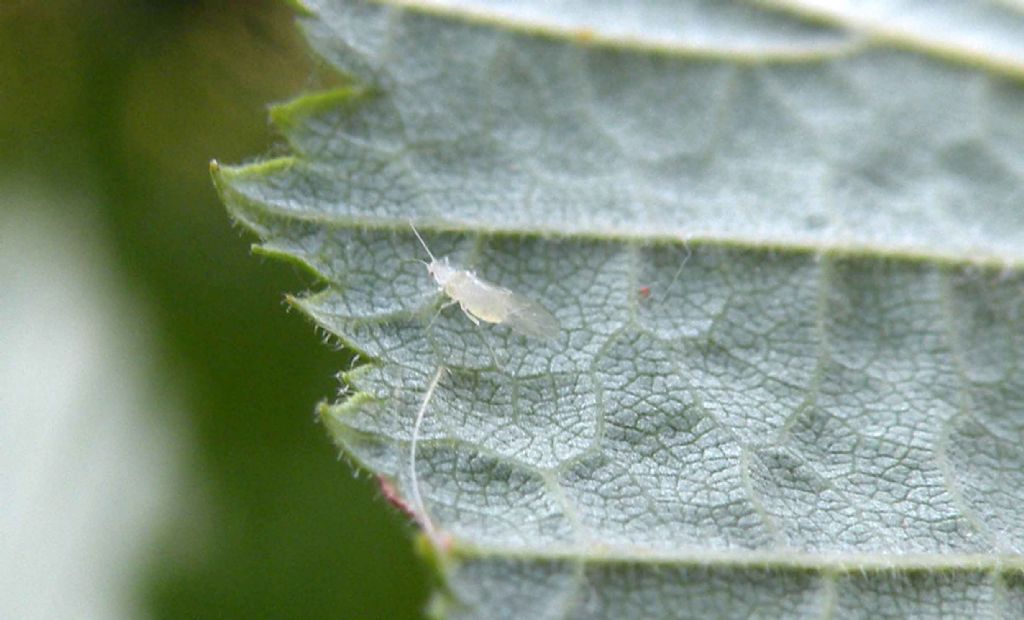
784,242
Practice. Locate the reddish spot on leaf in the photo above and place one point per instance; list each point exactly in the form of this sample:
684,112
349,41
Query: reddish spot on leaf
390,493
645,291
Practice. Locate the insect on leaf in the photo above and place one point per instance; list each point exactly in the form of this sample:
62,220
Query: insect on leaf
483,301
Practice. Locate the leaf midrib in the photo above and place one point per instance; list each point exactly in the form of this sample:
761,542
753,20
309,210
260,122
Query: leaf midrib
824,562
860,36
642,239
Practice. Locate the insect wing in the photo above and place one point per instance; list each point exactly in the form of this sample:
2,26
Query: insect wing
530,318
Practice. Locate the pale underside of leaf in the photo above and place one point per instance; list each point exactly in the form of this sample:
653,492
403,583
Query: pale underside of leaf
820,415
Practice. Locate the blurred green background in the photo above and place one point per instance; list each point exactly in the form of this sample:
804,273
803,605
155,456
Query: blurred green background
109,114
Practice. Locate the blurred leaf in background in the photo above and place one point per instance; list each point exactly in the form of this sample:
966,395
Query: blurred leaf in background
111,111
93,455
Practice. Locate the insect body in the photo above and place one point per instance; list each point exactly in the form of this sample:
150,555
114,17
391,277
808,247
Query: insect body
482,301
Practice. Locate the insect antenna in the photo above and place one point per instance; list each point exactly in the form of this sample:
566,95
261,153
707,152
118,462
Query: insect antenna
414,484
422,242
686,244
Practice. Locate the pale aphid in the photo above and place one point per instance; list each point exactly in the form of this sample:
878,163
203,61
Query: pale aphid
483,301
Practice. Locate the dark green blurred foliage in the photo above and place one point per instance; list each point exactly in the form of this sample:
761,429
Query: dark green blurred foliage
125,103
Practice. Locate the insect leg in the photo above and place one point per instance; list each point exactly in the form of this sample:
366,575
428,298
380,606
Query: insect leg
438,313
465,311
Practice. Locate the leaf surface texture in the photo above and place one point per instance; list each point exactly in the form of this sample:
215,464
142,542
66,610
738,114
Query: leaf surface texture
784,242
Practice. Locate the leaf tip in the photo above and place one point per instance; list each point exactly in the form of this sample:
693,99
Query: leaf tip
221,175
215,174
300,7
293,113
